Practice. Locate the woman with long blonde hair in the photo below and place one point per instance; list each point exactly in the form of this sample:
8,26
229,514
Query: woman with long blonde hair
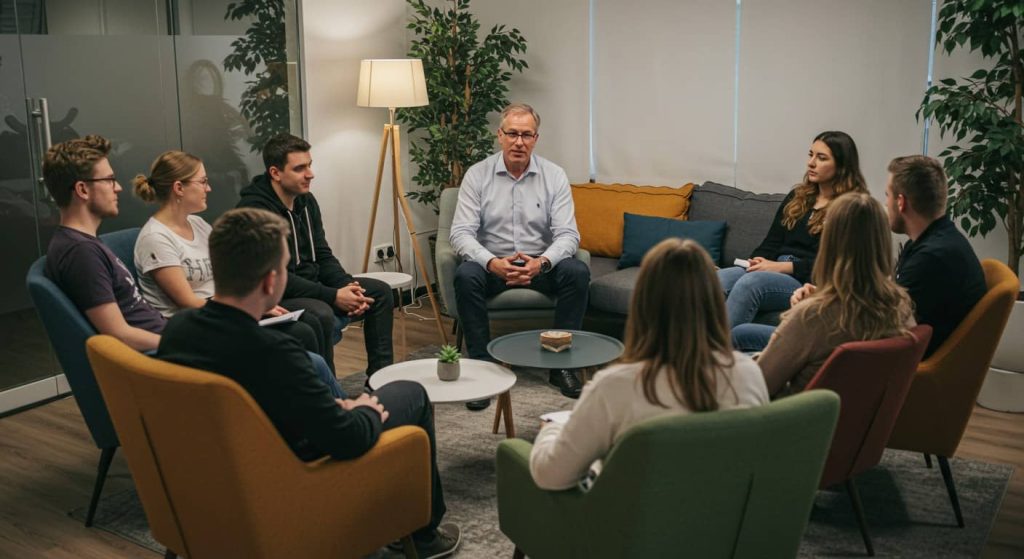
855,297
785,258
678,359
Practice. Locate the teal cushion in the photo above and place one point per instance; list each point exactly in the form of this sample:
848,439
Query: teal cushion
641,232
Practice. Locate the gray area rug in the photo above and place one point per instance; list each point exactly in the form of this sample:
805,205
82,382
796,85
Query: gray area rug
905,503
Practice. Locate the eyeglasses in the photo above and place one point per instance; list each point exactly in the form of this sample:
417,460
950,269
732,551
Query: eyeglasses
111,179
205,181
526,137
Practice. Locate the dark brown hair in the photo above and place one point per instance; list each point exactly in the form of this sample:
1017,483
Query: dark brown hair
678,326
68,162
245,245
848,178
276,150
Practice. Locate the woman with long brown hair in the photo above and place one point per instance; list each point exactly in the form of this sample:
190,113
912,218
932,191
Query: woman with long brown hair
855,297
784,260
678,359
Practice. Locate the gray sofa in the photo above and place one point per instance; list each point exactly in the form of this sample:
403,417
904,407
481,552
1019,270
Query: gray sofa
748,217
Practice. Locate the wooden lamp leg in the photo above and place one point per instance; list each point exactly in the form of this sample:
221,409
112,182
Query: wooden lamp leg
420,262
384,143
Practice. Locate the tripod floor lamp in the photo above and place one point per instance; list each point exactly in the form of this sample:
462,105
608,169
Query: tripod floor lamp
393,84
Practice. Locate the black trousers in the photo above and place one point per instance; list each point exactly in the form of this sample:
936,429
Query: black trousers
377,322
569,281
310,329
407,404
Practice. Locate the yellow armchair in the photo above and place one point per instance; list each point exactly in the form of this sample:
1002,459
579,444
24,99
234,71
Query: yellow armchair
946,385
217,480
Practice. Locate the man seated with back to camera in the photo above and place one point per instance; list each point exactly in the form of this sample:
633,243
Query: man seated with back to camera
249,255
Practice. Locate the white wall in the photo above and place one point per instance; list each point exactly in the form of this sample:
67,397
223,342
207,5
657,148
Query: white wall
346,139
664,89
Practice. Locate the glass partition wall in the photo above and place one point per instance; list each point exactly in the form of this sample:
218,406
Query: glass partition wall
150,75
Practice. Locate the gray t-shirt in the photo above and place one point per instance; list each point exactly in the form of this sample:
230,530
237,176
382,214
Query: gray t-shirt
159,247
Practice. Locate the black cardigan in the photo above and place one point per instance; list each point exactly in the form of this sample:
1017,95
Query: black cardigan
798,242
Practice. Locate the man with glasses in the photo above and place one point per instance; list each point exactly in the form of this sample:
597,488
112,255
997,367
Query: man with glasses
82,183
515,227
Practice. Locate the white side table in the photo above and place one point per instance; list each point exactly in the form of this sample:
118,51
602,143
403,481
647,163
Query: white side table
477,380
395,280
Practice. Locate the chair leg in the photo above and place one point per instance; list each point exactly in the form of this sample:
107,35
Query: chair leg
851,488
409,548
927,460
518,553
170,555
106,457
947,476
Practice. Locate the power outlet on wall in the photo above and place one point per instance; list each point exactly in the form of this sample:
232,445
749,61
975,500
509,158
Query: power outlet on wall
384,252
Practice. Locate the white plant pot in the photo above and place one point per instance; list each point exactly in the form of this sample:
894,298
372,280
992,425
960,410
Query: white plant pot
448,371
1004,385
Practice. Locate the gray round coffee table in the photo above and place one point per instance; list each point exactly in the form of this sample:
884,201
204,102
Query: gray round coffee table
589,350
477,380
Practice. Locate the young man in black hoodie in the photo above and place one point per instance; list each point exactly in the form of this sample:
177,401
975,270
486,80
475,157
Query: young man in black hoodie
317,281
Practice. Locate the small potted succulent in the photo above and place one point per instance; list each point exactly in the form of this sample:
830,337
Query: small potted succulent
448,363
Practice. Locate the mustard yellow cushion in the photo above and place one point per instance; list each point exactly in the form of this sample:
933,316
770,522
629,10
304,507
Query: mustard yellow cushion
599,210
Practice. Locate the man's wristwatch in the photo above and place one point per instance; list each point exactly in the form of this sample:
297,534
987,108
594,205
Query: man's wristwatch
545,265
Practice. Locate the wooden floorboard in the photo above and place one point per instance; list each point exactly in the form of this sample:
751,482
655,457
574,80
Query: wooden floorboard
48,464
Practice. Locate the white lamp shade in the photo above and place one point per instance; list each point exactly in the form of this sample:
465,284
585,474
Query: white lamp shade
391,83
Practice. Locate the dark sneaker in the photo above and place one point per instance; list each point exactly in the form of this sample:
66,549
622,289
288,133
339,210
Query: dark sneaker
445,541
477,405
566,381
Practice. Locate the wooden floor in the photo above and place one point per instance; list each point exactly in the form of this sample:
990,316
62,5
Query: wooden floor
48,464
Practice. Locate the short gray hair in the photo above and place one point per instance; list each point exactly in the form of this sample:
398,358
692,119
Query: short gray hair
521,108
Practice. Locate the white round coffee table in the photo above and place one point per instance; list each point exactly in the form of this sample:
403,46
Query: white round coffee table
477,380
396,281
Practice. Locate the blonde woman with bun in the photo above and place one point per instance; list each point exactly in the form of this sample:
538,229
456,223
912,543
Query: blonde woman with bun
678,360
856,297
172,254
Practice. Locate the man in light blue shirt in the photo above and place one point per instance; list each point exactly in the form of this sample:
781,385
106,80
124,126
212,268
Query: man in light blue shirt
515,227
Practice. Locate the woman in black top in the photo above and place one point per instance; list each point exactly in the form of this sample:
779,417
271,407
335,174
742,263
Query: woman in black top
783,261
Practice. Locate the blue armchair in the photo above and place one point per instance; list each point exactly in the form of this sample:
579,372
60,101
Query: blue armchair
68,330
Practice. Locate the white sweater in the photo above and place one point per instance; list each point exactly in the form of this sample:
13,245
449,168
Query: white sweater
612,403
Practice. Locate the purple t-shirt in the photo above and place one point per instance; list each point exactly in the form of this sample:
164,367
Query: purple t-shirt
91,275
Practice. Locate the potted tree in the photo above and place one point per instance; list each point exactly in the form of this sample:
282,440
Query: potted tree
466,81
986,165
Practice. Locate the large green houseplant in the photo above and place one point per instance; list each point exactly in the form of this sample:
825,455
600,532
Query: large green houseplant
983,112
261,54
466,81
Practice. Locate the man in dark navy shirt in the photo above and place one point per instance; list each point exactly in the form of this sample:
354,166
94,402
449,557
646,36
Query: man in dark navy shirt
937,265
249,255
82,183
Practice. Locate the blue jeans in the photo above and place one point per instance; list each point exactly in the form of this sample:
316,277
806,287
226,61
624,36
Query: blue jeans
747,293
326,375
750,337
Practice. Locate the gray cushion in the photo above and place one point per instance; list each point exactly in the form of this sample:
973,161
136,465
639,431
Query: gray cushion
515,299
602,265
748,215
611,292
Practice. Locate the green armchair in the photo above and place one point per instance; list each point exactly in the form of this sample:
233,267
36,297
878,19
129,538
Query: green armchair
512,304
737,483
